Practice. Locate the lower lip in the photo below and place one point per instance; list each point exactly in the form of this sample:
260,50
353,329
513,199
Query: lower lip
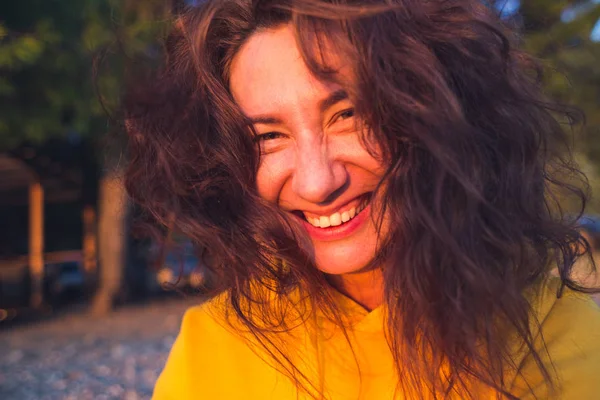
338,232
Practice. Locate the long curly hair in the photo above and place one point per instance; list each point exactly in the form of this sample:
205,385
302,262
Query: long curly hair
476,161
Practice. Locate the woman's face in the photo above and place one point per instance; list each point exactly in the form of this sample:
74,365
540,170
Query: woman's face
313,165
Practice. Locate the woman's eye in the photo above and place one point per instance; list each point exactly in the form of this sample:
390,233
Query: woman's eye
349,113
267,136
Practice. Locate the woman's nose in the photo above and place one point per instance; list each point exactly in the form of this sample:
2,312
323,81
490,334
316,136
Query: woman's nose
318,177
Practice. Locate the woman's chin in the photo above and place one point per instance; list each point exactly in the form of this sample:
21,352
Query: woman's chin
332,269
346,256
346,263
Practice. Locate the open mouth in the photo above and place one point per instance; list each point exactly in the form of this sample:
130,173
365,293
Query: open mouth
340,217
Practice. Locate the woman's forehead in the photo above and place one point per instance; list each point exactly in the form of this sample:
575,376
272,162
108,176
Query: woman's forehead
269,72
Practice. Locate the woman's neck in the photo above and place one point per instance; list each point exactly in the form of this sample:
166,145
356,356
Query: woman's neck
365,288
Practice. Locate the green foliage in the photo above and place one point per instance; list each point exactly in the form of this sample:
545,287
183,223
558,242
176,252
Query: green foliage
573,69
49,63
49,85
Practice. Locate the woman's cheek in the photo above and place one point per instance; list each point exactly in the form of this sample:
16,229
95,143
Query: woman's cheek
274,171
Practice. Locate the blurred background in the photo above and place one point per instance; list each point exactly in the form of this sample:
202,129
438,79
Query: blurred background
83,310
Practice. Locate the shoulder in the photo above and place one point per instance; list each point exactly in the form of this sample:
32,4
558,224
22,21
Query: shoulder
215,356
567,338
205,319
573,315
203,342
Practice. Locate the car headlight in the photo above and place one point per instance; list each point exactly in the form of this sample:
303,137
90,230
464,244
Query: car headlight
196,279
165,275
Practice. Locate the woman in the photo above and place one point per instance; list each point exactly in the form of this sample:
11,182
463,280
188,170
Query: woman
372,182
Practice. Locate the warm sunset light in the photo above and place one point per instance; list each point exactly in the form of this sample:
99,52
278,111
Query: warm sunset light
299,199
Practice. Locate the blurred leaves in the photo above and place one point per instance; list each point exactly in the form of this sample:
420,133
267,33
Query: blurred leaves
58,59
19,50
63,63
567,49
558,32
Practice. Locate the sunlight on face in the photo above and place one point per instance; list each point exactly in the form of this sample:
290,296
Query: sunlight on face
313,164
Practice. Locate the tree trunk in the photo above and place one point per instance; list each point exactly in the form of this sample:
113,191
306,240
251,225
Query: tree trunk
89,241
36,242
113,208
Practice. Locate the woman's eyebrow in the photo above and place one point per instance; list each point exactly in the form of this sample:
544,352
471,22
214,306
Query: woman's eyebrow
332,99
265,120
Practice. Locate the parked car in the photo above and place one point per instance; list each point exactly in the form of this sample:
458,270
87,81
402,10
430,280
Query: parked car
181,271
63,280
181,268
590,227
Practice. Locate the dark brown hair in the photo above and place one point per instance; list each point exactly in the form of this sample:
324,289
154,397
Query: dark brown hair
475,158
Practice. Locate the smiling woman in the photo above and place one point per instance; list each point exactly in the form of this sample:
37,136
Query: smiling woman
313,164
372,182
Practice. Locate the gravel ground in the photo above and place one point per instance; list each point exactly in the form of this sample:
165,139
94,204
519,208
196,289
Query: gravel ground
78,357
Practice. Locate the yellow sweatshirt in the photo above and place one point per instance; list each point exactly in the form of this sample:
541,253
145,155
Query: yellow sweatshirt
212,361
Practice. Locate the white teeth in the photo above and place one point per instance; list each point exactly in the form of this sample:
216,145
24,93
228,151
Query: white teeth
335,219
345,216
